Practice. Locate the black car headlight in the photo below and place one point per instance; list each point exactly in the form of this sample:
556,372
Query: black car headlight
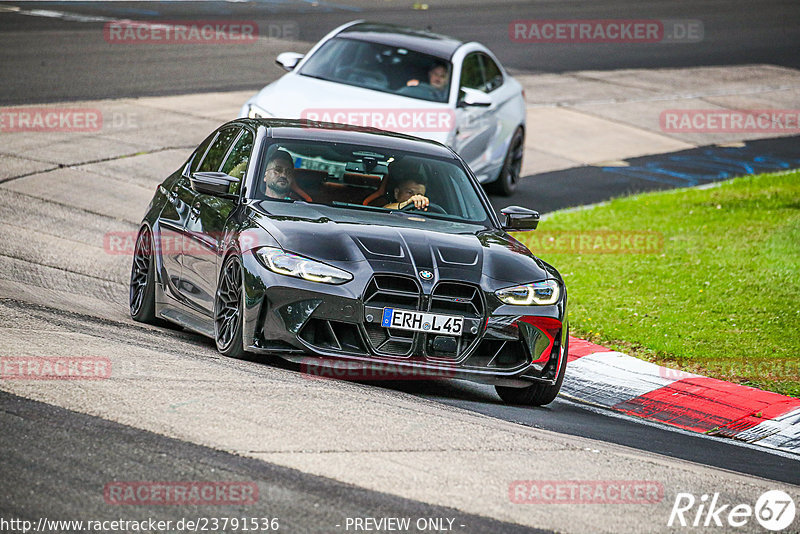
281,262
533,294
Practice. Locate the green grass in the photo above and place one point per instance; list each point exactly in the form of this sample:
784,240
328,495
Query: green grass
721,298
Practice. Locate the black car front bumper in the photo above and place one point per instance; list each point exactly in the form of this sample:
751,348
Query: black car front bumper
323,326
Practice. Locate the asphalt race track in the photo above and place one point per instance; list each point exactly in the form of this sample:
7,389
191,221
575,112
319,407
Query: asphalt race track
77,463
75,62
577,186
319,451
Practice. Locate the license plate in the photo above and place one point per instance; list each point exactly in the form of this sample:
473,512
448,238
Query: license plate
433,323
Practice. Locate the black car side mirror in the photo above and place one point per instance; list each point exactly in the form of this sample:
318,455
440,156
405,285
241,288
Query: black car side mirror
218,184
519,218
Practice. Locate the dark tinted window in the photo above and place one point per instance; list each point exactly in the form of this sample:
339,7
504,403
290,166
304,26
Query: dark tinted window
236,164
471,73
218,150
494,78
201,150
380,67
361,179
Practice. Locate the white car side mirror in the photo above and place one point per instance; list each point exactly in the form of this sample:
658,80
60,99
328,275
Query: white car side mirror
288,60
473,97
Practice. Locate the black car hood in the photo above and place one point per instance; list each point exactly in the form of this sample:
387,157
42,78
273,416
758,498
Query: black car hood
399,243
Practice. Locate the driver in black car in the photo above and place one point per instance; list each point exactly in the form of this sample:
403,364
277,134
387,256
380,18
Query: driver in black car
409,191
279,175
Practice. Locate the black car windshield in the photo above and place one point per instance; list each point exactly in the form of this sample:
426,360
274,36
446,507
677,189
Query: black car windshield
362,178
385,68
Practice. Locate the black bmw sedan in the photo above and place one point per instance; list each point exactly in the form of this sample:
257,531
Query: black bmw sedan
315,240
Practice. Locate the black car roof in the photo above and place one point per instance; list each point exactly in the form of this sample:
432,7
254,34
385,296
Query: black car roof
342,133
423,41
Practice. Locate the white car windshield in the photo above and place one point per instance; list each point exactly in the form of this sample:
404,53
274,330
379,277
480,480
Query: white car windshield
380,67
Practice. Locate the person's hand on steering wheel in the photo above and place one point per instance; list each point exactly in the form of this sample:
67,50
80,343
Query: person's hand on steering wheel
420,202
430,207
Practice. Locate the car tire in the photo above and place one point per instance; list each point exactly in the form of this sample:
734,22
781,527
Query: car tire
535,394
142,288
228,309
508,179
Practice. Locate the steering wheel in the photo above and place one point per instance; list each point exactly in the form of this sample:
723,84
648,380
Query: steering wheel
365,77
435,208
422,90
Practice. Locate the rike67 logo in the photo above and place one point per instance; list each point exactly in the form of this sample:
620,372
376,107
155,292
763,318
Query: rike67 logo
774,510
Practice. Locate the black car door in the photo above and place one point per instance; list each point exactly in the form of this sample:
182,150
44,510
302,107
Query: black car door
206,222
172,221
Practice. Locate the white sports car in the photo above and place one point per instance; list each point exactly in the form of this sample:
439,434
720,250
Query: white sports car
408,81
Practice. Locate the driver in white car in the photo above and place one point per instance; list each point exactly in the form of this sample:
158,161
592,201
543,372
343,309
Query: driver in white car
437,77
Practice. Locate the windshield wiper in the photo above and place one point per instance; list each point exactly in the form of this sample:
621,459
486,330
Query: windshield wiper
317,77
406,213
357,206
268,200
427,214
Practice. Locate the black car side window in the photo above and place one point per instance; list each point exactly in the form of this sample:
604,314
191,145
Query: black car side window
200,152
219,148
236,163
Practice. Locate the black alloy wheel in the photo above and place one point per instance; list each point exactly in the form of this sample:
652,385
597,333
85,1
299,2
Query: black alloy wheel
142,287
228,309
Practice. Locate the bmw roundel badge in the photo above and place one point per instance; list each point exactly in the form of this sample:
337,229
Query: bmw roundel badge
425,275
